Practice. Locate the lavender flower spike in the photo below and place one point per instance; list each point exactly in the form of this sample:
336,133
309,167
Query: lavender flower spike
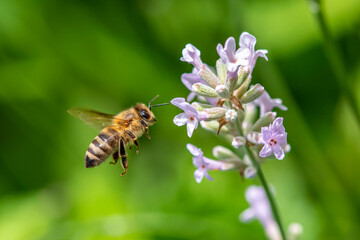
231,57
260,209
190,116
274,138
248,41
192,55
266,103
202,163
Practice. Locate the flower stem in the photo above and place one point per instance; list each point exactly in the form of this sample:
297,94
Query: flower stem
264,183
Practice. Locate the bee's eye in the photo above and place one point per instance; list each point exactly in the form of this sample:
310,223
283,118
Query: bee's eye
144,114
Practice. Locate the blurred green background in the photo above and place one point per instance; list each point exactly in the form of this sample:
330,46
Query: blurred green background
108,55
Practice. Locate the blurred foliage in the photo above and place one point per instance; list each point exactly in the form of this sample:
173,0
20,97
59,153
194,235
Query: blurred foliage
108,55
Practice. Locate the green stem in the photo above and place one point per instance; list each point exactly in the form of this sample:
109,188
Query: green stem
335,58
264,183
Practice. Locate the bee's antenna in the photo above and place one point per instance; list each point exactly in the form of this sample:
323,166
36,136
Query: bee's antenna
158,105
152,101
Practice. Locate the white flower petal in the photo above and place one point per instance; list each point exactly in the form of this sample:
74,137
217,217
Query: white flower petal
198,174
180,119
191,126
247,215
193,150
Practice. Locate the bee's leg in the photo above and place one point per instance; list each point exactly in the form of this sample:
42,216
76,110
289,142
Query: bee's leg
146,128
115,157
124,162
133,137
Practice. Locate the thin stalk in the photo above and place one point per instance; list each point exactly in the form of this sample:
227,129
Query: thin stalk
335,57
264,183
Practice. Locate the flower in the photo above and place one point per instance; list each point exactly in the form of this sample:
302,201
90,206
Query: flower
190,116
260,209
192,55
231,57
203,164
248,41
274,138
189,79
266,103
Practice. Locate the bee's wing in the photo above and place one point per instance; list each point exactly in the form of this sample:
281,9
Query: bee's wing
92,118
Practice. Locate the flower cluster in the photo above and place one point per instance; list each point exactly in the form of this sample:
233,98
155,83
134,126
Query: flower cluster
227,104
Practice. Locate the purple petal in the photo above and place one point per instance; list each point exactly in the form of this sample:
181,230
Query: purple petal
247,215
198,174
177,101
189,79
180,119
266,134
265,151
191,96
212,164
188,109
278,152
193,150
208,177
247,41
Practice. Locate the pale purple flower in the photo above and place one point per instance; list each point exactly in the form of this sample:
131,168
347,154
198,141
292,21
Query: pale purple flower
189,79
192,55
266,103
231,57
190,116
260,209
248,41
203,164
274,138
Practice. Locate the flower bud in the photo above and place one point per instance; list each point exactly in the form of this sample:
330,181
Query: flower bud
204,90
221,70
221,152
214,112
222,91
201,106
208,75
243,87
231,115
264,121
213,126
250,172
238,141
231,83
254,92
254,137
244,73
250,113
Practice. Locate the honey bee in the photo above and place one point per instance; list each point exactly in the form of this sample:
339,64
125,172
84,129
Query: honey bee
118,131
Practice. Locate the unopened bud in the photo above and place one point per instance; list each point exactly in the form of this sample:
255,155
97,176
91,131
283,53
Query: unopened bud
208,75
221,152
221,70
231,83
243,87
213,126
250,172
238,141
254,137
204,90
215,112
254,92
264,121
200,106
222,91
244,73
231,115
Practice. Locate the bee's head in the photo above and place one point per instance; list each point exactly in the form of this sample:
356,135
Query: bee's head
145,113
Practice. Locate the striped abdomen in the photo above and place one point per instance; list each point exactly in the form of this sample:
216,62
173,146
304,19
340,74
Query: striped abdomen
102,147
